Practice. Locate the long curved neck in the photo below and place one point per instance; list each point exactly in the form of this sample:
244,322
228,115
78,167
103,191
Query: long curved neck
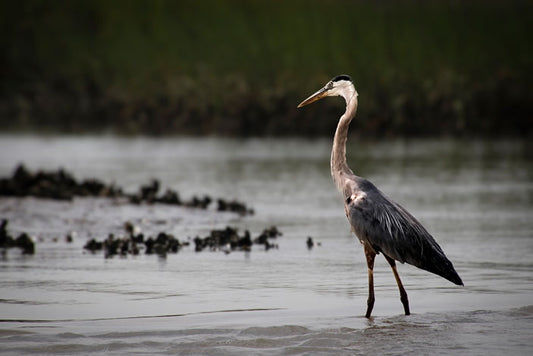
339,167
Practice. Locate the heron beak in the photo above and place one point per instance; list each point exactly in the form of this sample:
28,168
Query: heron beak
322,93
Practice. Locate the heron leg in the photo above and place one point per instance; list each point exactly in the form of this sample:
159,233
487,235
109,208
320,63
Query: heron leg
403,293
370,257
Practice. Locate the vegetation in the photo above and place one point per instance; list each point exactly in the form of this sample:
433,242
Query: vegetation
241,67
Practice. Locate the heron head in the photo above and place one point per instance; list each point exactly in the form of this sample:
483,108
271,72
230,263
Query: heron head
341,85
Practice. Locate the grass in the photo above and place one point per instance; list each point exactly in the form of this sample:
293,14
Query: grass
240,67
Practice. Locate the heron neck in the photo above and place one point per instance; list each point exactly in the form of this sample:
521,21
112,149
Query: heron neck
339,167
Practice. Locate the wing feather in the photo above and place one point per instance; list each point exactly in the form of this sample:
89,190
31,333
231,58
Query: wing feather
392,230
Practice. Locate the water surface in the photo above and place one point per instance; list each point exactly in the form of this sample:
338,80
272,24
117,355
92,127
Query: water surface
474,197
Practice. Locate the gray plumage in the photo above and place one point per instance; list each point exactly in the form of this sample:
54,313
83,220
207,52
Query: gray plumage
390,229
382,225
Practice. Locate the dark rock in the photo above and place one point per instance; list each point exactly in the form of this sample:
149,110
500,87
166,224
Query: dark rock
263,237
111,246
311,243
135,199
268,245
272,232
234,206
196,202
61,185
5,239
245,242
25,243
199,244
160,250
225,239
116,246
134,249
149,244
91,187
173,244
269,233
170,197
165,243
148,192
139,238
22,176
93,245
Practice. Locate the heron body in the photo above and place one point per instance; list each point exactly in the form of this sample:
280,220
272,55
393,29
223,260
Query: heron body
381,225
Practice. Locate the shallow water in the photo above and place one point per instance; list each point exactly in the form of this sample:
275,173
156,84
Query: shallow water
475,197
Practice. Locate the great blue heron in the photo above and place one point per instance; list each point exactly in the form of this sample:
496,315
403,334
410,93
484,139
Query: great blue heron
381,224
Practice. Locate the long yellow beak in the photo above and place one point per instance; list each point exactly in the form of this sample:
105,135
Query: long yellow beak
322,93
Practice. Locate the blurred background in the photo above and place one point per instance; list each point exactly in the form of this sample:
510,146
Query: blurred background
239,68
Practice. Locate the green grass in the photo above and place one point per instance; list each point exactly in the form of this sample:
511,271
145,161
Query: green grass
240,67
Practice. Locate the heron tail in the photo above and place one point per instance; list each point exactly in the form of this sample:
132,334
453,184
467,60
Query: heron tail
440,265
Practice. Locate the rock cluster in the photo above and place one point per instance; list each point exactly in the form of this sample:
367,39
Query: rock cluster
229,239
226,240
61,185
269,233
149,194
234,206
134,241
